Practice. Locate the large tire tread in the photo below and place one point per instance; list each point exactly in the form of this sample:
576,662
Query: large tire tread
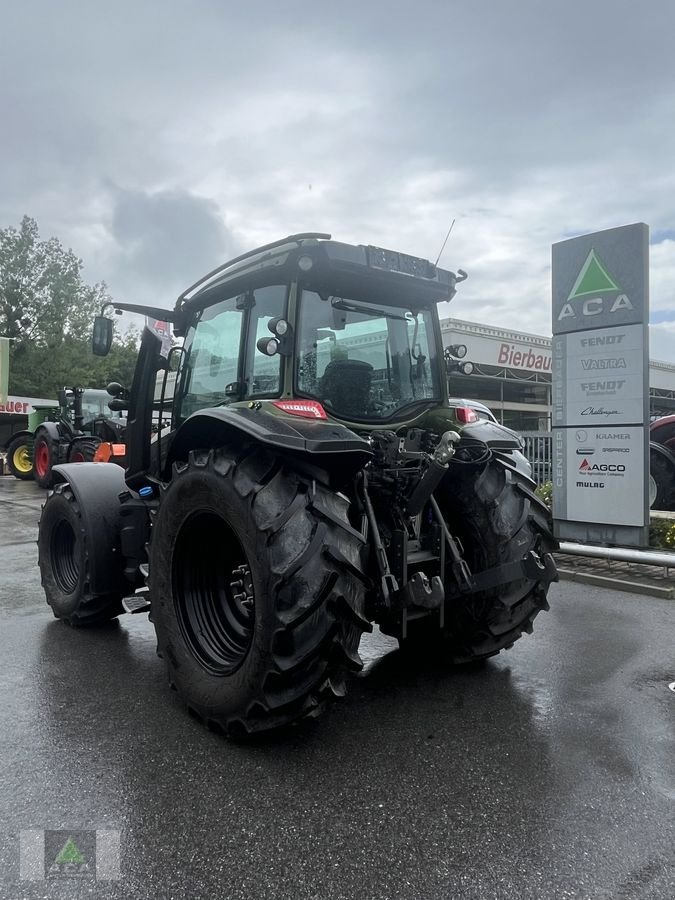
304,532
84,448
12,447
507,520
83,607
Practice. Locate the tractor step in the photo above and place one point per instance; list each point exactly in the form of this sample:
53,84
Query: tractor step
133,605
415,557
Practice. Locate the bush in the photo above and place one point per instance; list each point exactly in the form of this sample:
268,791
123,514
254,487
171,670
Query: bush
545,493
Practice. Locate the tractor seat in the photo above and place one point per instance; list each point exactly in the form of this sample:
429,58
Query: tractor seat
345,387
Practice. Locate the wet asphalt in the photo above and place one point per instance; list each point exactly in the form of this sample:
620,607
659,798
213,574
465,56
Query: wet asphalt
549,773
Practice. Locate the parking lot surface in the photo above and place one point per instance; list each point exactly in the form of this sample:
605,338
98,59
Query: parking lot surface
548,773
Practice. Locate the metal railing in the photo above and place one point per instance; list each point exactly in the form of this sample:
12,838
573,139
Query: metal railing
538,448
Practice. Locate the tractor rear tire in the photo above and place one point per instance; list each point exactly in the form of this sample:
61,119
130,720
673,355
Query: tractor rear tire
498,519
257,590
63,557
44,459
19,460
83,450
663,475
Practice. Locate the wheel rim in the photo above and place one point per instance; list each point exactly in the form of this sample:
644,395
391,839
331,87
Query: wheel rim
213,593
41,463
21,460
64,562
653,491
77,456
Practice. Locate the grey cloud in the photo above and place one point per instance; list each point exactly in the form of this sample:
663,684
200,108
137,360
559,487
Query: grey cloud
524,121
166,239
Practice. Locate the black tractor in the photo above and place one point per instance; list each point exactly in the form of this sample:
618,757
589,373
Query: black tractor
85,421
314,480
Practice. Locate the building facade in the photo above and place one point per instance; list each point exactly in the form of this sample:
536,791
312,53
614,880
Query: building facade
512,374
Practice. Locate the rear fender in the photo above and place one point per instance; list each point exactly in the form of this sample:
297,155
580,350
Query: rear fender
502,441
326,444
494,435
25,435
51,429
97,490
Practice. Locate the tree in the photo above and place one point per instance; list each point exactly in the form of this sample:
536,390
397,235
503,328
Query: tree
47,311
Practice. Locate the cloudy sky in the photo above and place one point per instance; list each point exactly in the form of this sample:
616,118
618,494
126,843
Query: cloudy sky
158,138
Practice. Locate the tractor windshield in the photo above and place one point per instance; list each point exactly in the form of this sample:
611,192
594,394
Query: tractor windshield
365,360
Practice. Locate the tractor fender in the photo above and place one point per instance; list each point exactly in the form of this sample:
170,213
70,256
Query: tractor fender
28,435
324,443
96,488
662,451
51,429
494,435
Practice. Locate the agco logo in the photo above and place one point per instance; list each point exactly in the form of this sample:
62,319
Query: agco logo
589,468
592,280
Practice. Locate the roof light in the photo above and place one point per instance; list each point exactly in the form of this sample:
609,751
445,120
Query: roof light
308,409
465,415
305,263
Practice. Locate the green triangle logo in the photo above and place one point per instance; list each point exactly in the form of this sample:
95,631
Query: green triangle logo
592,279
70,854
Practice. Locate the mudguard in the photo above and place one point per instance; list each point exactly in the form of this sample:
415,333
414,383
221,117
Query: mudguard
52,430
326,443
26,435
96,487
494,435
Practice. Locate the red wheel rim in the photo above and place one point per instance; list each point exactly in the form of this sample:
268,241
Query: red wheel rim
41,462
77,456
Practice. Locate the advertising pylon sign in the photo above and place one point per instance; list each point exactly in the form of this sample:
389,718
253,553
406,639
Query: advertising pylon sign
601,386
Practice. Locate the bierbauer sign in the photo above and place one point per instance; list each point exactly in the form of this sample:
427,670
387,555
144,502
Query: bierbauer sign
600,386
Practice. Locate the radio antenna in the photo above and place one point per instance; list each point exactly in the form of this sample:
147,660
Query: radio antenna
440,252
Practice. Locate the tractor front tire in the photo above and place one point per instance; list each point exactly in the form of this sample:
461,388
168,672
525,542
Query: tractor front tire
498,519
63,556
19,460
257,590
83,450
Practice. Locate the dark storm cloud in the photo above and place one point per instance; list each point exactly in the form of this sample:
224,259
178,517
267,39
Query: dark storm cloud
169,238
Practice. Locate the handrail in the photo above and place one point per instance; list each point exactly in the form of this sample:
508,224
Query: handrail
620,554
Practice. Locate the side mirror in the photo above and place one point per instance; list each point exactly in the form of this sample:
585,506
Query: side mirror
102,337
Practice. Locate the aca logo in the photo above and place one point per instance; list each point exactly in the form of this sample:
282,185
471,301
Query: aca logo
592,280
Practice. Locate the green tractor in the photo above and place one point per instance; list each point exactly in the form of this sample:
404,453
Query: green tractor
314,480
70,432
19,450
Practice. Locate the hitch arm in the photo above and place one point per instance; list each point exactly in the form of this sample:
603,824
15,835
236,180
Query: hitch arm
460,568
388,582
